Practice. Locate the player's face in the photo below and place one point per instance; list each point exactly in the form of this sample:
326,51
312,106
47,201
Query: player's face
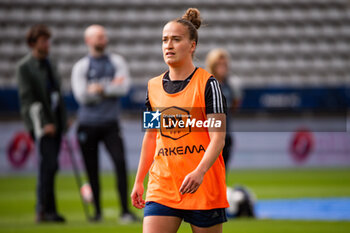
42,46
176,45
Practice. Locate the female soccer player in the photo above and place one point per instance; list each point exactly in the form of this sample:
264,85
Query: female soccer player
186,169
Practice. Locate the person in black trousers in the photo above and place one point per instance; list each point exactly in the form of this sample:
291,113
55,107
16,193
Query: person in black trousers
44,115
98,80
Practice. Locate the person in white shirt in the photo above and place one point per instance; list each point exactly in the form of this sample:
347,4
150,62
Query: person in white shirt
98,80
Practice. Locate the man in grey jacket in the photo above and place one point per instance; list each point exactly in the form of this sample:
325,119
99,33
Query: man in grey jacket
44,115
98,80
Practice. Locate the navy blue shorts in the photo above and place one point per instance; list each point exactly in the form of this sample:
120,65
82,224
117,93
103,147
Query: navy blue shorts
199,218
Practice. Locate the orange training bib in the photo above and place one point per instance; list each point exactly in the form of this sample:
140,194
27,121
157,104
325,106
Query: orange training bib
179,149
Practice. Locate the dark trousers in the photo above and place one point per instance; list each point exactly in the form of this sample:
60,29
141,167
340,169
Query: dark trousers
48,148
226,151
89,138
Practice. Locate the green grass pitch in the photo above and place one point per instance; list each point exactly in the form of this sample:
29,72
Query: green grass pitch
17,200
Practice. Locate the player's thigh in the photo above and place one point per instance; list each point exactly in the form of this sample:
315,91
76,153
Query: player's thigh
163,224
213,229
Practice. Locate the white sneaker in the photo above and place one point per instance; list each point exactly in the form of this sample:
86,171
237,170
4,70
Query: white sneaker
128,218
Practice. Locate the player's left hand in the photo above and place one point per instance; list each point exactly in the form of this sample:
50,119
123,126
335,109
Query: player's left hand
191,182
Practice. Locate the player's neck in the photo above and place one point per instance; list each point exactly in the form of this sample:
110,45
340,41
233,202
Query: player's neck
181,73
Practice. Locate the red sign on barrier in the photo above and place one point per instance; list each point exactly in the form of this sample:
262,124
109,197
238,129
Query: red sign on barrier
301,145
19,149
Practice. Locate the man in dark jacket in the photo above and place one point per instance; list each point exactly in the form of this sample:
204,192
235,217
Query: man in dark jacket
44,115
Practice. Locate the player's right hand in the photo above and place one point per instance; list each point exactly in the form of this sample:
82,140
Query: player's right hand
136,196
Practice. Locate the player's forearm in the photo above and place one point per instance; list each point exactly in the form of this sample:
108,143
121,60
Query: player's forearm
217,143
213,151
146,158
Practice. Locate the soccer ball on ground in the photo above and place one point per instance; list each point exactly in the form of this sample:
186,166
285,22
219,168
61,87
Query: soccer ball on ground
241,202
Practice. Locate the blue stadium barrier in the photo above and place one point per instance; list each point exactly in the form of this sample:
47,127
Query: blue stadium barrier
332,209
254,99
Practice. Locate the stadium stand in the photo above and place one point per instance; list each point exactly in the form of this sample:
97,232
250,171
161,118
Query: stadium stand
271,42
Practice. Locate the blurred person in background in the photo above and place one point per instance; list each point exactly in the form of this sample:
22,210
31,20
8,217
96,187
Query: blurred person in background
98,80
217,63
44,115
